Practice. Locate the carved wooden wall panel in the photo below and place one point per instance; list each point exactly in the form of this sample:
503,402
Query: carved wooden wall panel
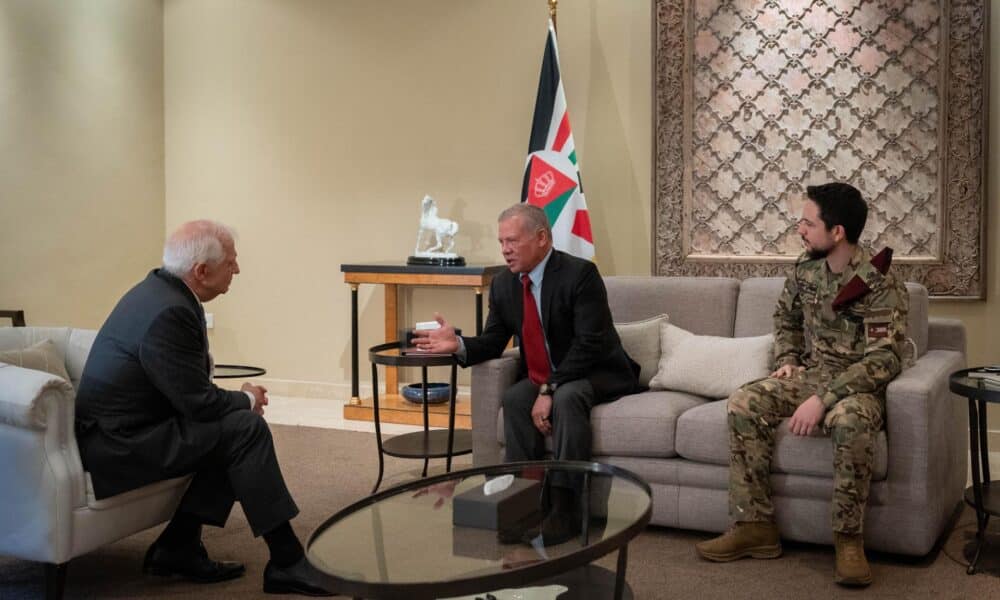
756,99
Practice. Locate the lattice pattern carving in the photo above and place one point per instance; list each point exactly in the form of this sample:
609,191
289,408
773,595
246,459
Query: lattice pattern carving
755,99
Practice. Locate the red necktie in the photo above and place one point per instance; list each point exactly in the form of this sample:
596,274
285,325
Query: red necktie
532,339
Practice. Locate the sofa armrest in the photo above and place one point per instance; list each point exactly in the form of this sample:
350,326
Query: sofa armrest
945,334
489,381
927,430
41,469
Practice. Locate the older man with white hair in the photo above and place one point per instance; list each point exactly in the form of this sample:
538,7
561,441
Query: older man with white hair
147,410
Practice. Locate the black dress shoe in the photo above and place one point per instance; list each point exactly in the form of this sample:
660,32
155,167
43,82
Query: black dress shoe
190,562
300,578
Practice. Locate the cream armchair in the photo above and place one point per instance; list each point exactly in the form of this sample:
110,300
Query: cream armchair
49,511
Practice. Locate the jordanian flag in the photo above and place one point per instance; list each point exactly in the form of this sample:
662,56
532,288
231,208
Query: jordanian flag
551,175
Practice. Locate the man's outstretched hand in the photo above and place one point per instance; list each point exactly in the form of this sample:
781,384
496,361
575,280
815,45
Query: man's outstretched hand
441,340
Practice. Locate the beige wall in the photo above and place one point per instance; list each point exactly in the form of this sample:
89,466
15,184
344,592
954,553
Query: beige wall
315,128
982,319
81,154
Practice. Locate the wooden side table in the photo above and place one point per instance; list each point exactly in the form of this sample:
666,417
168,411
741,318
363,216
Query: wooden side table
983,495
237,371
16,317
391,275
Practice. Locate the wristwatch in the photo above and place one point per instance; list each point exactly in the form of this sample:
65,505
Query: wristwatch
547,389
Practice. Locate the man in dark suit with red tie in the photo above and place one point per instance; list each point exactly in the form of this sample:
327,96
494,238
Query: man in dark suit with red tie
147,410
571,356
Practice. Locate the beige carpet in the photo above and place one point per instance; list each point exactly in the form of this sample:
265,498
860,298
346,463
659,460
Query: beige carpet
328,469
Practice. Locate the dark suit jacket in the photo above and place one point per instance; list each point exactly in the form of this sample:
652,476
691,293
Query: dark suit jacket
578,327
147,409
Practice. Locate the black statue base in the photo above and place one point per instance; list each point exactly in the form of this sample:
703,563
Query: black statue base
436,261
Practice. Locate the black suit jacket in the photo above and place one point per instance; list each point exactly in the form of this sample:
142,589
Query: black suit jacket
577,321
146,408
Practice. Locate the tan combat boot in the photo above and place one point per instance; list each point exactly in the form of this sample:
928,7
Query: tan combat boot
852,567
754,539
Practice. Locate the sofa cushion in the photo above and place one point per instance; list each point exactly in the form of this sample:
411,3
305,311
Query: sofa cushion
756,304
636,425
632,298
17,338
641,340
41,356
177,485
703,436
709,366
641,424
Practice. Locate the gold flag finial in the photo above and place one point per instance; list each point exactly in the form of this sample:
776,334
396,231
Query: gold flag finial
553,6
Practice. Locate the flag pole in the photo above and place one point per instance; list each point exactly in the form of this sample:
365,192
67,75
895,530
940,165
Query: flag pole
553,6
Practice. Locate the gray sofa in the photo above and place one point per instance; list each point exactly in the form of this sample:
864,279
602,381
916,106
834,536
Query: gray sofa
679,442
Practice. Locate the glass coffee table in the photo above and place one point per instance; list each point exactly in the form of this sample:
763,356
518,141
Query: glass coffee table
402,543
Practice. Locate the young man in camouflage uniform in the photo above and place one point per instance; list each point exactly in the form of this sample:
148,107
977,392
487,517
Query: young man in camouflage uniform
839,330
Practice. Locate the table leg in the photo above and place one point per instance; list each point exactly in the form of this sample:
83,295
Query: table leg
451,415
355,395
977,490
585,510
984,446
984,454
379,540
620,574
427,419
378,428
391,333
479,310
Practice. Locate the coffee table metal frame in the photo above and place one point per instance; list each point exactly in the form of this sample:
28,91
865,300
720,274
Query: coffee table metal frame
424,444
502,578
983,495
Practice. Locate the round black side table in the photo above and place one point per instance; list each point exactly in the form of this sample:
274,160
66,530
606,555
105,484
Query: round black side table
424,444
237,371
983,494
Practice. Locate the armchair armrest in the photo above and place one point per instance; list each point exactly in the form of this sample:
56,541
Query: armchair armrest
23,395
41,458
489,381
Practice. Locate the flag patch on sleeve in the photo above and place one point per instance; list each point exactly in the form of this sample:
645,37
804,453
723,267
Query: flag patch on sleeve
878,330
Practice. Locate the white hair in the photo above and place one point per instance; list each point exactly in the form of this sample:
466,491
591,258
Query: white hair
195,242
532,218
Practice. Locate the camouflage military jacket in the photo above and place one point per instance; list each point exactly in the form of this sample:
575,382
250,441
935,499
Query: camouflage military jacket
856,348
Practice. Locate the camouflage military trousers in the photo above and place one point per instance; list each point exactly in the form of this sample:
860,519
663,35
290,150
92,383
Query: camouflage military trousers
755,411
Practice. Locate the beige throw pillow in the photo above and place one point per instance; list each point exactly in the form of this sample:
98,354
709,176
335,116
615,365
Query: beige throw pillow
707,365
641,340
43,356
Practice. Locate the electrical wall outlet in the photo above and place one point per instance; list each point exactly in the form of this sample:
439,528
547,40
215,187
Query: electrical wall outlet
209,320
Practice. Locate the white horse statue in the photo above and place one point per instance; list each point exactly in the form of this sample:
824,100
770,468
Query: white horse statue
444,231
